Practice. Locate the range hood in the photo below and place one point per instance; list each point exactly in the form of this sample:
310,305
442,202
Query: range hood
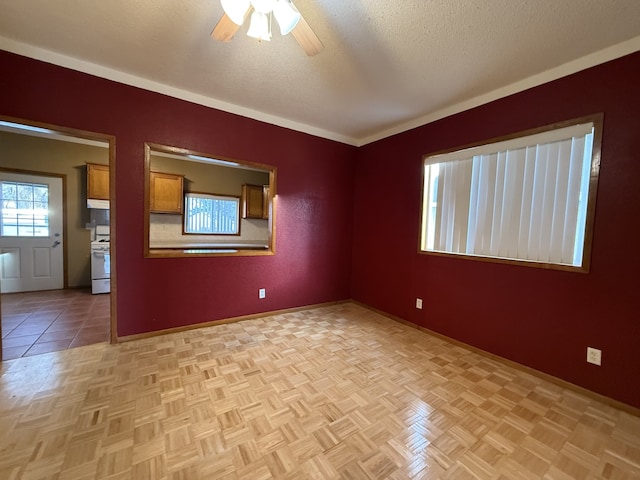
100,204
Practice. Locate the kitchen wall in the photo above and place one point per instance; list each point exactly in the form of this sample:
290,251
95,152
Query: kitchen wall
37,154
541,318
165,230
314,206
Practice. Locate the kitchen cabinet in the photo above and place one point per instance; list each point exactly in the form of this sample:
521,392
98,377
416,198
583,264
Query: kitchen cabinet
265,202
97,181
165,193
253,202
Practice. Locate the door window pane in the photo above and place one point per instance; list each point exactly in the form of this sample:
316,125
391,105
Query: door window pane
25,209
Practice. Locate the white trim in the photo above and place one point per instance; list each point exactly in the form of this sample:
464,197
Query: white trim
602,56
611,53
54,58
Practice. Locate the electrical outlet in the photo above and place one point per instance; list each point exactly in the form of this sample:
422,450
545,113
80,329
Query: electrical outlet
262,293
594,356
419,303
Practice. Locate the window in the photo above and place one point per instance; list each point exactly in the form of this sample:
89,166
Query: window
167,234
211,214
25,209
529,198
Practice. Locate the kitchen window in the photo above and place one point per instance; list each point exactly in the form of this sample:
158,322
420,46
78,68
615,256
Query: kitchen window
211,214
529,198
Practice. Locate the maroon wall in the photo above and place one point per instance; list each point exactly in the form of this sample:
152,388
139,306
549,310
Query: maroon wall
542,319
315,198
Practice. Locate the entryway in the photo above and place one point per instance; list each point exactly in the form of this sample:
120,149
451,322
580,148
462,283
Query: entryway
51,321
62,314
31,233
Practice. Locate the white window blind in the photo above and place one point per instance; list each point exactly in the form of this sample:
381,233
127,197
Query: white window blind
520,199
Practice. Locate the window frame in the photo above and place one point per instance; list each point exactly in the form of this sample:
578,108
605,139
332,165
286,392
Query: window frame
217,196
32,216
597,120
209,248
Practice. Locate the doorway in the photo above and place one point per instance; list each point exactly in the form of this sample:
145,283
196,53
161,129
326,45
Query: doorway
31,233
53,320
64,153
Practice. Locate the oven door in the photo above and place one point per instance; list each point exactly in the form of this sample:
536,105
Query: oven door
100,271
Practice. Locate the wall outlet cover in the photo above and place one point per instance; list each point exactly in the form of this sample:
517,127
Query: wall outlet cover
419,303
594,356
262,293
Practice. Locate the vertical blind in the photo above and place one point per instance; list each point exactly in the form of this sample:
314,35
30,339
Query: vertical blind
523,199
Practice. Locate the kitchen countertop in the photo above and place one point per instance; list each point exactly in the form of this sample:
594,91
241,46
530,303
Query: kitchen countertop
180,245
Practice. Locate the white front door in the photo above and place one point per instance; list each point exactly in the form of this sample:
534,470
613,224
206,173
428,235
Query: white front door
31,242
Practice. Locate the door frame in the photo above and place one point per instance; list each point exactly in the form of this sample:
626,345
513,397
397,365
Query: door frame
63,177
111,141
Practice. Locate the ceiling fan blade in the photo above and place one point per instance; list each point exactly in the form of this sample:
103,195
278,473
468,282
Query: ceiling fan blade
306,38
225,29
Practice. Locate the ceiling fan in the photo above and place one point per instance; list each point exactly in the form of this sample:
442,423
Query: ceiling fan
262,11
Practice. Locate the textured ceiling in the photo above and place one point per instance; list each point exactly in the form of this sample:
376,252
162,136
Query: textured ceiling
387,65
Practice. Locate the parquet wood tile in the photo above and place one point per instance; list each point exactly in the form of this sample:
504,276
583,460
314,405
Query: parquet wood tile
337,392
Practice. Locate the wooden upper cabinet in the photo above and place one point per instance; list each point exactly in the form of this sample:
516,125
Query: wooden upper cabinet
165,193
265,202
252,201
97,181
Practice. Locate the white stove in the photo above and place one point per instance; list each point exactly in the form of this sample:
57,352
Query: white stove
102,245
101,261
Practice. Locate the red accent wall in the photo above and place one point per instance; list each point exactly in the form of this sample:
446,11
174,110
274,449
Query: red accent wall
542,319
315,198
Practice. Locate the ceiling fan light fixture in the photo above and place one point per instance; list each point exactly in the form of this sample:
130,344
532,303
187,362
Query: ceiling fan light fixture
287,15
236,9
263,6
259,26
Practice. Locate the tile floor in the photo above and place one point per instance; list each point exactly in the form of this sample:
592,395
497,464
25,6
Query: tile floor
43,322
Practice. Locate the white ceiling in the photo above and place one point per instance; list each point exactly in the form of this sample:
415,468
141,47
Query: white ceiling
387,65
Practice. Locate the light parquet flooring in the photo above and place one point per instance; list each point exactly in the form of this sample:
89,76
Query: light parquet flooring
326,393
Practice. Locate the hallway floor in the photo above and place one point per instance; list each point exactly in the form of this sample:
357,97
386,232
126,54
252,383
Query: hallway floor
51,321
